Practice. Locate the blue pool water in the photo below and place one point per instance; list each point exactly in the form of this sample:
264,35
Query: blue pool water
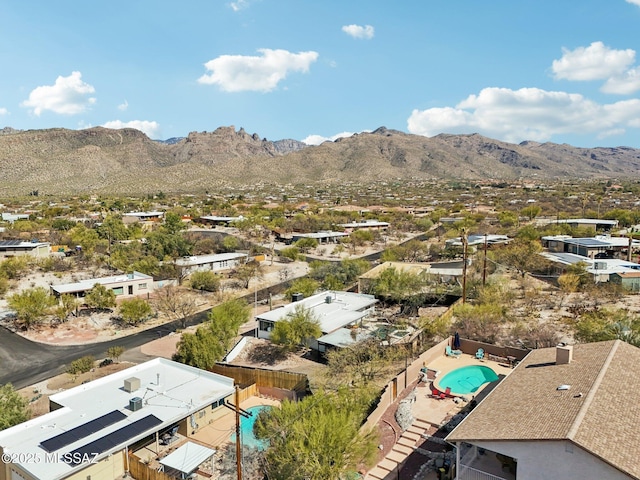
246,429
467,379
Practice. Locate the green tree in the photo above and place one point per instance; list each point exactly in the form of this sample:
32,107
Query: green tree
523,256
81,365
4,286
100,298
31,306
250,270
531,211
317,438
306,244
87,238
115,352
230,243
173,223
292,253
306,286
13,267
67,304
608,324
296,330
135,310
13,407
205,280
212,341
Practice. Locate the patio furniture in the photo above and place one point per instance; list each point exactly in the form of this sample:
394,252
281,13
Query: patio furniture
480,354
452,353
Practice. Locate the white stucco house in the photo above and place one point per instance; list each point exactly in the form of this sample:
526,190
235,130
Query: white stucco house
334,310
564,412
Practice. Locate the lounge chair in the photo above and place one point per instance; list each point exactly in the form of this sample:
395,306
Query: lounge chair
452,353
480,354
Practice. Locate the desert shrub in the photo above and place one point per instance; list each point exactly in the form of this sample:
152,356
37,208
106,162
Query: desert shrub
81,365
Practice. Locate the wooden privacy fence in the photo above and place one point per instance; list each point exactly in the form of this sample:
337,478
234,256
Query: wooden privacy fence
141,471
263,377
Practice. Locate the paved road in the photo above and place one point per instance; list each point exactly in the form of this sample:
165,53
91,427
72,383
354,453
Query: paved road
24,363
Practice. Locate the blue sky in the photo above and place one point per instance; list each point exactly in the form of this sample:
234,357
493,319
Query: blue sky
560,71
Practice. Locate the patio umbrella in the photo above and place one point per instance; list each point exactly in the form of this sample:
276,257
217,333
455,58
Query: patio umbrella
456,341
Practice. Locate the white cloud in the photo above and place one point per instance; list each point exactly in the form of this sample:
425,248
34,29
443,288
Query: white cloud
150,129
624,84
239,5
318,139
595,62
4,111
358,31
599,62
634,2
68,96
123,106
526,114
238,73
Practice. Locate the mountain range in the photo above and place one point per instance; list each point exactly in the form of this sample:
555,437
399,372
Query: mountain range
126,161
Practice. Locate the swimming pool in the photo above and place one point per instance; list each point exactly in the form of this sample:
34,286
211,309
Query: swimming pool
246,429
467,379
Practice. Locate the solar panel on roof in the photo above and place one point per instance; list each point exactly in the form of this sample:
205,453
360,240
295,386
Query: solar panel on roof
10,243
82,431
119,437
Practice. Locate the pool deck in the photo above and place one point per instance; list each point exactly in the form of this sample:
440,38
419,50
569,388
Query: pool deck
429,414
218,434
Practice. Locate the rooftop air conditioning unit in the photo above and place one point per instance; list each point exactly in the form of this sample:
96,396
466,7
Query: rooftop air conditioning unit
131,384
328,299
135,404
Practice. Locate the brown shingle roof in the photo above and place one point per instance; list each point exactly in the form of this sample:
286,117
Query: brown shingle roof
604,420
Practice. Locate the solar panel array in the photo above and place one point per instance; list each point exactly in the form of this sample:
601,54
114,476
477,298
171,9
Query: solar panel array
82,431
119,437
10,243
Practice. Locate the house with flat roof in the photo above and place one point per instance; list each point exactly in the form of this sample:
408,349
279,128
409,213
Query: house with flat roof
220,220
595,223
91,429
142,216
564,412
478,240
333,310
444,272
125,285
16,248
364,224
215,263
602,269
322,236
599,246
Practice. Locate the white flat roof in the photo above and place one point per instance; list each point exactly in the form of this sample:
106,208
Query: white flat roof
143,214
320,234
588,221
367,223
215,218
202,259
599,266
85,285
345,308
188,457
170,391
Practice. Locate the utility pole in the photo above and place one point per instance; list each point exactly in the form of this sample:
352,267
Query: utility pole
238,439
464,266
484,262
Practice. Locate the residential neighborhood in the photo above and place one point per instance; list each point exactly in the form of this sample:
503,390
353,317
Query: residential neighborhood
494,345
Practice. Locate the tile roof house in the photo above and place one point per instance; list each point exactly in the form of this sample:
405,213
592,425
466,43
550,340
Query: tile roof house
564,412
